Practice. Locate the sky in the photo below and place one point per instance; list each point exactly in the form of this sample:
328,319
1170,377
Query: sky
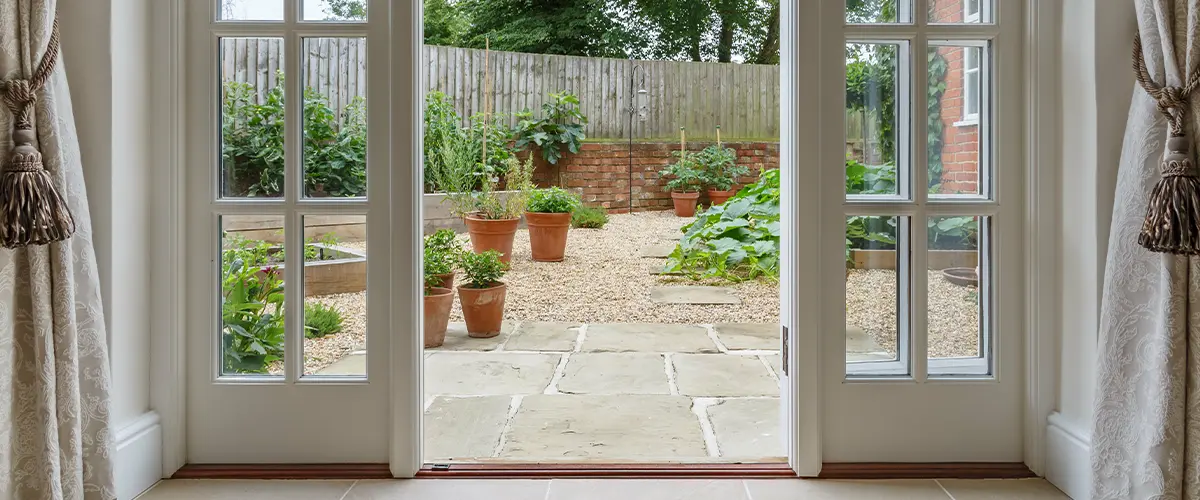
270,10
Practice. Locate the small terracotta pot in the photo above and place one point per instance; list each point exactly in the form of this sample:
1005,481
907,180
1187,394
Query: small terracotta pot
488,234
685,203
437,315
548,235
444,281
719,197
483,309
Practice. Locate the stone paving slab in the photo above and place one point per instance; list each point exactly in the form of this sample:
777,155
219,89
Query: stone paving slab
615,373
776,362
720,375
662,271
488,373
758,336
352,364
458,340
625,427
688,294
658,250
647,337
543,336
747,428
464,428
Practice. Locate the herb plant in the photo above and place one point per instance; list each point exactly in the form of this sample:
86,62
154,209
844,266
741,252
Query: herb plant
553,200
482,270
321,320
589,217
719,167
561,125
441,253
685,175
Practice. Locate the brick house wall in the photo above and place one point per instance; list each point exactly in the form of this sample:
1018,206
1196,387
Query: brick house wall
960,150
602,171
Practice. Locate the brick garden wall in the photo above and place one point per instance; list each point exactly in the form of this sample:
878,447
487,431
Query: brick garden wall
602,171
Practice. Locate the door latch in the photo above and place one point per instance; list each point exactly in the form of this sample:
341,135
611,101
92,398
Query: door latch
784,361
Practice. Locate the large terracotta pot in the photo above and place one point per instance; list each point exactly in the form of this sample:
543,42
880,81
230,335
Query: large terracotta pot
685,203
488,234
437,315
720,197
483,309
548,235
444,281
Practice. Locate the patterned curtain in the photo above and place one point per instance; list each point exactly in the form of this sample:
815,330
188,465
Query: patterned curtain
1146,429
55,441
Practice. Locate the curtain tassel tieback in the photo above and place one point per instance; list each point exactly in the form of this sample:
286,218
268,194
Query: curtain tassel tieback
32,212
1172,223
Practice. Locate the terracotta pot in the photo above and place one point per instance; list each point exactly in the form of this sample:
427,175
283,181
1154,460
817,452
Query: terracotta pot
444,281
437,315
483,309
685,203
548,235
719,197
488,234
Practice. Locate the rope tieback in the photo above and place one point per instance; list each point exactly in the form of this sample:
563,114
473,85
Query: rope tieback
32,212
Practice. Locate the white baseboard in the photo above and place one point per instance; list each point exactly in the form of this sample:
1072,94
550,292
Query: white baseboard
138,461
1068,457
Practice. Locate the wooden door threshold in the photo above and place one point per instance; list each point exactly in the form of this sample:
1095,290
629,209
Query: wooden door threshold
627,471
946,470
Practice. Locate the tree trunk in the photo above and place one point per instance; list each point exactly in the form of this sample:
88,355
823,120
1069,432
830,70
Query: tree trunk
725,40
768,51
695,50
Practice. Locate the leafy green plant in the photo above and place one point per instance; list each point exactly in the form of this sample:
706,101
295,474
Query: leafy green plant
490,203
321,320
561,125
685,175
482,270
553,200
251,317
959,233
441,126
589,217
719,167
736,241
441,252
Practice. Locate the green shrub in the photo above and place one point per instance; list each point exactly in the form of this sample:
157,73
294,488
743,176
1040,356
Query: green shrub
441,253
718,167
251,317
589,217
561,125
736,241
321,320
685,175
482,270
553,200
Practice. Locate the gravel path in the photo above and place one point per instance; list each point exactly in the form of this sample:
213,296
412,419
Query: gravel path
953,312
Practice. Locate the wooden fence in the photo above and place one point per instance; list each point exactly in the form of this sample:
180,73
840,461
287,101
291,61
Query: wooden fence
648,99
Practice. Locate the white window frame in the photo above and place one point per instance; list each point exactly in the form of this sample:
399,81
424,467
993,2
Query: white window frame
973,17
972,66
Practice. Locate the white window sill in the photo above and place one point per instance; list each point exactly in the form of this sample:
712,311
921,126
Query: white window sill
968,122
972,367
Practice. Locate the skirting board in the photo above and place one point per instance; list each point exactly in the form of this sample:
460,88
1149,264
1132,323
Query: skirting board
138,460
1068,458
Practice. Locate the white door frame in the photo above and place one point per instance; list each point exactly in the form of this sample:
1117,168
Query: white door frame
168,361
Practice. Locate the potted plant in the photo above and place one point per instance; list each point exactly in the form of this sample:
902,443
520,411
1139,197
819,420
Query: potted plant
684,184
482,294
491,215
441,254
438,300
720,171
549,219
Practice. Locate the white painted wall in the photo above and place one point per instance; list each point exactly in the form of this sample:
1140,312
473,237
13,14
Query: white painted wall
1096,87
106,53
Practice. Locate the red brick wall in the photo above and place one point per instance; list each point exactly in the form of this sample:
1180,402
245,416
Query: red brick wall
960,150
602,171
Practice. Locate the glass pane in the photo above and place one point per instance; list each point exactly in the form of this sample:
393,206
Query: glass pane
873,148
250,10
252,316
875,278
335,295
955,134
957,285
251,117
335,117
335,10
878,11
959,11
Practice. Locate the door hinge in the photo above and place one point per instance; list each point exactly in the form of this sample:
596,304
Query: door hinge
784,361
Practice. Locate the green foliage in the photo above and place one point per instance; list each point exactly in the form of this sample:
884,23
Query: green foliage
561,125
935,133
321,320
719,168
736,241
553,200
335,152
568,27
873,179
251,316
441,128
518,180
589,217
686,175
445,24
482,270
442,250
871,88
704,30
452,152
346,9
953,233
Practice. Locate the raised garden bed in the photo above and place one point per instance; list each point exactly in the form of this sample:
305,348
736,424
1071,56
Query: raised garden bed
334,269
938,259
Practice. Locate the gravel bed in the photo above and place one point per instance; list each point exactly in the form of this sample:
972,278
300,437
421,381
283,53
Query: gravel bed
953,312
322,352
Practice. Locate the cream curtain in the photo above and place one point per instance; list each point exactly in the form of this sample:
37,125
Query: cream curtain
1146,430
55,441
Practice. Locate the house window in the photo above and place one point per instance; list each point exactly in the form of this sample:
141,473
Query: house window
971,11
971,81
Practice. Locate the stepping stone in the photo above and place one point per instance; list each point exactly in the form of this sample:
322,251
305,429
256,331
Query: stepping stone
464,428
859,342
647,337
776,362
534,336
722,375
488,373
354,364
758,336
573,428
458,340
747,428
662,271
658,250
688,294
615,373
